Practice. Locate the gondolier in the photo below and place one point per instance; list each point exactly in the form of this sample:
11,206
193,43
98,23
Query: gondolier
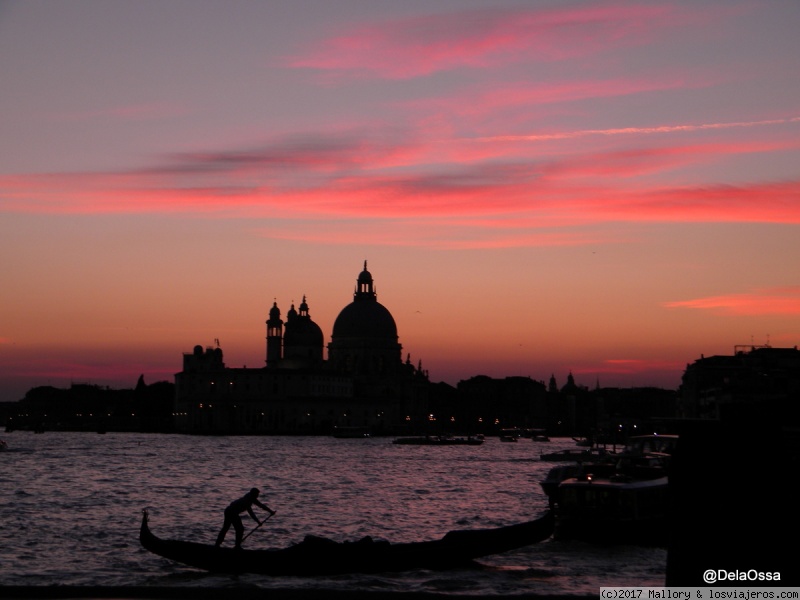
237,507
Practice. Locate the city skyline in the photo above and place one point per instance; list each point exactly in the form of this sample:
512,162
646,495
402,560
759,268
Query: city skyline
603,188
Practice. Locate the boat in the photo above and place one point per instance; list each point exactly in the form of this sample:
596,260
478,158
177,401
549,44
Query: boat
441,440
619,500
613,509
575,454
322,556
537,434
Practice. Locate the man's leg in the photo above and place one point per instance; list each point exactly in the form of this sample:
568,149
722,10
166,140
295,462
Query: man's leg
225,526
237,525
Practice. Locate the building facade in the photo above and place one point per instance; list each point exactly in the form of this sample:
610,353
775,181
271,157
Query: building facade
758,380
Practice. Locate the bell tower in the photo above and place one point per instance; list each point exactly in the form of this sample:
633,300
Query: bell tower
274,335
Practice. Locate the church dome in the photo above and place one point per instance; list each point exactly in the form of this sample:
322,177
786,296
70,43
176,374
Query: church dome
365,317
301,332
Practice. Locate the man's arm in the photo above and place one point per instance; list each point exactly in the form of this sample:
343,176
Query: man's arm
265,507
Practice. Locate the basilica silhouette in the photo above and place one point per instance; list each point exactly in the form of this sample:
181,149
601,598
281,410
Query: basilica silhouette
363,385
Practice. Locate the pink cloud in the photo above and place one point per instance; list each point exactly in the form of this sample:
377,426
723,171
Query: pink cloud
530,95
444,234
466,192
768,301
423,45
518,192
757,203
659,129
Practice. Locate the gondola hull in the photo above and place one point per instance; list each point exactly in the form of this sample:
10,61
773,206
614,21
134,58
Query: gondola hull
321,556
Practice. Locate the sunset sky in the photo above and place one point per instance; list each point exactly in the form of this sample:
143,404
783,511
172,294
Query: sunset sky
539,187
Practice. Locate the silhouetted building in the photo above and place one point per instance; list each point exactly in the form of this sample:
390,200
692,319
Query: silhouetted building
488,405
85,407
741,418
754,379
741,425
363,383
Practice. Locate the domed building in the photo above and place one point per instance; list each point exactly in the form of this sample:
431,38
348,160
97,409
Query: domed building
364,338
302,339
299,344
364,383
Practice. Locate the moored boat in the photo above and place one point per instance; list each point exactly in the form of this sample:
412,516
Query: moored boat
321,556
621,501
613,509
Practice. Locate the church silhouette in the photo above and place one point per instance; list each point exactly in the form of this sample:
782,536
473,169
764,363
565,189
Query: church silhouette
364,383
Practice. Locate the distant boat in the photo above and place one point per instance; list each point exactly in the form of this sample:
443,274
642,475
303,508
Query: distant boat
440,440
321,556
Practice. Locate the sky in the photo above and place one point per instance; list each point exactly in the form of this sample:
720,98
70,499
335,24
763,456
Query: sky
540,187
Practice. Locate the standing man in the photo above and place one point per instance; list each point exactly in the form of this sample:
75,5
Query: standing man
237,507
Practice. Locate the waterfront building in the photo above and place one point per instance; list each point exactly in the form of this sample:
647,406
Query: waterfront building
754,379
363,383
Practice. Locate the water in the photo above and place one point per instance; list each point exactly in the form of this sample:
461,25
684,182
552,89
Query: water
70,510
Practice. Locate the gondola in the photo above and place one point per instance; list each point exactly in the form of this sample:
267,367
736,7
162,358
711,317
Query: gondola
322,556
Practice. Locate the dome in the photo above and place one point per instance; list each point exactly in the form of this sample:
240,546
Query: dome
364,337
302,332
365,319
274,312
302,338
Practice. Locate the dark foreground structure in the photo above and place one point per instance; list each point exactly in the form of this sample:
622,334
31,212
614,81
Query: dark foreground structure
734,501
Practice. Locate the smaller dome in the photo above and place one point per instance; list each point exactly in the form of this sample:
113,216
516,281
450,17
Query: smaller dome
302,338
291,314
302,332
274,312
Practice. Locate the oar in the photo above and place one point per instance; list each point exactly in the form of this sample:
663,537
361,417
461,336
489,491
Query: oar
257,526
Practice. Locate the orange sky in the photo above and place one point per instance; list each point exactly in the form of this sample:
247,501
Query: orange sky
607,188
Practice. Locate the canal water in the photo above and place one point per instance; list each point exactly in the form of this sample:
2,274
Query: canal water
71,505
